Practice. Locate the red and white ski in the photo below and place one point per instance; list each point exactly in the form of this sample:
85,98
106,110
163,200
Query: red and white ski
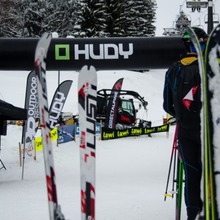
40,69
87,104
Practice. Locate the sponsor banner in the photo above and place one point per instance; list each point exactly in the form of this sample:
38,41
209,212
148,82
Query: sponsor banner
108,134
31,104
38,143
98,129
58,102
66,133
54,134
130,53
112,107
62,134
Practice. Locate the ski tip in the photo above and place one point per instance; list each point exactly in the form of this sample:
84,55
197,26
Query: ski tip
47,35
43,46
88,68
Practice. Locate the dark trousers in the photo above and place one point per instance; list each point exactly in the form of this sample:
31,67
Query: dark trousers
189,145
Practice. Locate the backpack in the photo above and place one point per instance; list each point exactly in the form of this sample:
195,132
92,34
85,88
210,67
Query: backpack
184,81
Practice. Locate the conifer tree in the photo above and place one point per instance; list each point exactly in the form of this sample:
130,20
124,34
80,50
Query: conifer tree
80,18
141,15
90,18
10,18
116,19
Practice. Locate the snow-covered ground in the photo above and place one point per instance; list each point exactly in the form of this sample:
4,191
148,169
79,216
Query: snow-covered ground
131,173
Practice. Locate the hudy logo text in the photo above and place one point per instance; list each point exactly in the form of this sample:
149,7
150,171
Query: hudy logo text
89,51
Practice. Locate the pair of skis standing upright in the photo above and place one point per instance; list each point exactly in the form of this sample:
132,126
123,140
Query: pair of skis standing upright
210,77
209,67
87,84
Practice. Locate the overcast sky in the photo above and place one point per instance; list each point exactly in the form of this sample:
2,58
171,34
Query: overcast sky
167,12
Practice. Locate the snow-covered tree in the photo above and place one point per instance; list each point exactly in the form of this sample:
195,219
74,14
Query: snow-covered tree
80,18
141,15
59,16
10,18
90,18
31,18
150,17
34,12
116,19
51,15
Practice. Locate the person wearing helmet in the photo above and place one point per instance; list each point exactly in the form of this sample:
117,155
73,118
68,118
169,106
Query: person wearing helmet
202,37
182,100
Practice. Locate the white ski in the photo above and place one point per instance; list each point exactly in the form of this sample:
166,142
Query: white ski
40,69
87,103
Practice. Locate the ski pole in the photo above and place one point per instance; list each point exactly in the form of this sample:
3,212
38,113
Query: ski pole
174,168
171,161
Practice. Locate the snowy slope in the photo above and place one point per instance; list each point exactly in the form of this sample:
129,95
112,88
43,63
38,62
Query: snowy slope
131,172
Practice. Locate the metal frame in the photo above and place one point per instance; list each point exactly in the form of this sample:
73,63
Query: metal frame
196,4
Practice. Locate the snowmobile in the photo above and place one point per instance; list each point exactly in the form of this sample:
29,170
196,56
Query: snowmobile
130,102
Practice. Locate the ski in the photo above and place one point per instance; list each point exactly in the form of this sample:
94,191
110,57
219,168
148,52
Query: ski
212,65
209,72
40,69
205,136
172,163
87,105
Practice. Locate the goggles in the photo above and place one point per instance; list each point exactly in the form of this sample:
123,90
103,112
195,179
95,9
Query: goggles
202,45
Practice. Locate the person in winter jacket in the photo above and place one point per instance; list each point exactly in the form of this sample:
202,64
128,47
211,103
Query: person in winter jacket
182,100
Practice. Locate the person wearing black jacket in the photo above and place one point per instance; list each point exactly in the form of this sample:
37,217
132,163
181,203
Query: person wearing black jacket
182,100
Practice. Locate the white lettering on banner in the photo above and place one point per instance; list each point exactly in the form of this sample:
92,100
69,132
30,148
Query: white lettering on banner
56,109
96,57
112,112
113,47
106,51
33,111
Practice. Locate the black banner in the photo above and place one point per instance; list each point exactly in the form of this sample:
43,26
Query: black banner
108,134
31,104
58,102
104,53
112,108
